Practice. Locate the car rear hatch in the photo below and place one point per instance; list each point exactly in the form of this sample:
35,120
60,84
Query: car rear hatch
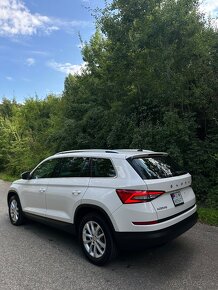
161,173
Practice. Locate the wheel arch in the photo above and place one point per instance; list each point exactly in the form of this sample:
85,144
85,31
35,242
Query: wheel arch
84,209
10,194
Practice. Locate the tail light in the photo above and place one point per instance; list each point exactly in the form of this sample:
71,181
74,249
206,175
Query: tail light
128,196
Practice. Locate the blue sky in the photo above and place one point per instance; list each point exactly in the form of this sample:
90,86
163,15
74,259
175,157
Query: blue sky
39,43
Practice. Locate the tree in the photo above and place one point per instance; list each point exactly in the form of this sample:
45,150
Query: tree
151,82
27,132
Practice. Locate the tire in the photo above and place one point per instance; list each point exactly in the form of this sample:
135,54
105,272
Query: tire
15,211
96,239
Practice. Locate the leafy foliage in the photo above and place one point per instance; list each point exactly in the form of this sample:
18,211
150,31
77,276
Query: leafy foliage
26,132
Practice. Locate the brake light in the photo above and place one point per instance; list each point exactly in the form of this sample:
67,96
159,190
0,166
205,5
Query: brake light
128,196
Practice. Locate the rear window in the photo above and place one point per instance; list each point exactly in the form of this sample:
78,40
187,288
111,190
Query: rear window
156,167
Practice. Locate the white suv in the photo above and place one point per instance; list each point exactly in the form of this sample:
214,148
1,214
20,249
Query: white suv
110,198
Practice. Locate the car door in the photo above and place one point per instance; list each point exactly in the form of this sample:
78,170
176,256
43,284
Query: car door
33,190
65,190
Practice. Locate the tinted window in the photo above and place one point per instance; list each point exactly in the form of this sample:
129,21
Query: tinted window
102,168
74,167
156,167
45,170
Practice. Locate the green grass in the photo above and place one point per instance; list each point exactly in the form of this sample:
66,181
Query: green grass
208,216
7,177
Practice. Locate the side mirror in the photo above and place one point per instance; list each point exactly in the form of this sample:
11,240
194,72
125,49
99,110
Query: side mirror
25,175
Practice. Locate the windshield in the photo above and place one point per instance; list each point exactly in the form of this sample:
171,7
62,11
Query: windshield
156,167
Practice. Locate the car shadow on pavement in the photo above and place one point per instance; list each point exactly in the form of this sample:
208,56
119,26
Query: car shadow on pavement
168,260
59,238
165,262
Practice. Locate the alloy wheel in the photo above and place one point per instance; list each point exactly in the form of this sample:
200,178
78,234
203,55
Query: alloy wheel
94,239
14,210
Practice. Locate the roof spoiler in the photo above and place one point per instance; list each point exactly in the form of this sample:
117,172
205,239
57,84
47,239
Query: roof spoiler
155,154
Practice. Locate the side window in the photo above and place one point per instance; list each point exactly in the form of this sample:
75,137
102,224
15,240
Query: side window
45,170
74,167
102,168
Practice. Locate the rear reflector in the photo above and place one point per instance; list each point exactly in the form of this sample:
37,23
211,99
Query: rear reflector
129,196
145,223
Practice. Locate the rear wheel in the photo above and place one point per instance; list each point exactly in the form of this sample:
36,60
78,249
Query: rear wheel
15,211
96,239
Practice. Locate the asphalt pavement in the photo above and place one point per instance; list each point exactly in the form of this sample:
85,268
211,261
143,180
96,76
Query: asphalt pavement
35,256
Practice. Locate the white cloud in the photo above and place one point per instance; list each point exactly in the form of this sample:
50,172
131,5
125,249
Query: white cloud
40,52
30,61
210,6
67,68
210,9
86,1
70,26
9,78
16,19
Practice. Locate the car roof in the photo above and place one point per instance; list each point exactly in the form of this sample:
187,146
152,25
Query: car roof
107,153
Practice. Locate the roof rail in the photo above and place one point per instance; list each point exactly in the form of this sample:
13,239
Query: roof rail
131,150
87,150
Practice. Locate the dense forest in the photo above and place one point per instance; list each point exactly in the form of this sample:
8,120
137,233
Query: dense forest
150,81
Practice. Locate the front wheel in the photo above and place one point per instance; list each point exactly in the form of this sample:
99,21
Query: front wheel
96,239
15,211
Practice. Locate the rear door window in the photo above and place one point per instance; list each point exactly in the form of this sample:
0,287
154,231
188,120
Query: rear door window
102,167
156,167
74,167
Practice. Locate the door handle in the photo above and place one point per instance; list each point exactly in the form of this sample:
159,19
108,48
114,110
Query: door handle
42,189
76,192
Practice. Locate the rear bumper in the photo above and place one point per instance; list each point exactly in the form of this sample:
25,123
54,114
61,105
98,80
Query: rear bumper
136,240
